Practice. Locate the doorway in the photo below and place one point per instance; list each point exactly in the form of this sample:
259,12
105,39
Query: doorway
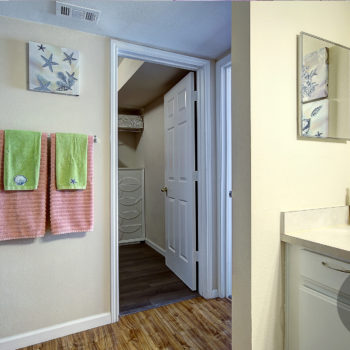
206,169
151,271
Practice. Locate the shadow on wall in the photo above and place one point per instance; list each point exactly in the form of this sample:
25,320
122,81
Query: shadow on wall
129,156
127,139
49,237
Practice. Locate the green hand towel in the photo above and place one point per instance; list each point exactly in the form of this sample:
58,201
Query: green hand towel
71,161
22,154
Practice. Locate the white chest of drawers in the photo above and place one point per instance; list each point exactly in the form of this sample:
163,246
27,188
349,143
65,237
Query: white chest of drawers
131,205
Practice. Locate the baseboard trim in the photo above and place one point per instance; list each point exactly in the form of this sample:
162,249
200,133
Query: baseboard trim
155,246
53,332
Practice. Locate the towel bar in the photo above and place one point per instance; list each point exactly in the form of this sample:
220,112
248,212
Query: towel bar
96,139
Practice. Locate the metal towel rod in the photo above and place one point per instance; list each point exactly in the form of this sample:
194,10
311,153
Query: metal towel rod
96,139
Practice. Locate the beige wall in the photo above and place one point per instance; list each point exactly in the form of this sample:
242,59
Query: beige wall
128,154
152,149
56,279
287,173
241,178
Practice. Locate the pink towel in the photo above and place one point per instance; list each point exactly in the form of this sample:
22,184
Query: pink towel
23,213
71,210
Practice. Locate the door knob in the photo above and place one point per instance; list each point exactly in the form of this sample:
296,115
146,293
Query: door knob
164,189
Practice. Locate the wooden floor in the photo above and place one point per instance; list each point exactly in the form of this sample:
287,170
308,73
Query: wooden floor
192,324
145,281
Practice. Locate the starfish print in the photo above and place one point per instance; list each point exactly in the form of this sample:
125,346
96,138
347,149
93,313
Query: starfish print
73,181
69,58
48,62
319,134
43,85
41,47
71,76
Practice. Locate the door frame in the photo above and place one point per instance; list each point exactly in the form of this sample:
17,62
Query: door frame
205,156
221,102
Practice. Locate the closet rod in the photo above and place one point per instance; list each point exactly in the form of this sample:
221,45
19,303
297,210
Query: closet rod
96,139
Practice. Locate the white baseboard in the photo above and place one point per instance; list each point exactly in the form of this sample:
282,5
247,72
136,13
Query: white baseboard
156,247
53,332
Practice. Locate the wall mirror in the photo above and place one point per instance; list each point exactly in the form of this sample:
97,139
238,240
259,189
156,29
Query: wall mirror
323,88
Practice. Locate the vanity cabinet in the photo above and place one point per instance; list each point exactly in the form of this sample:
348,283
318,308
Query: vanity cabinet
317,301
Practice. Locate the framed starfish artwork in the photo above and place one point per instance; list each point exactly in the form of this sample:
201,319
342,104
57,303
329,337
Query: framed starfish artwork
53,69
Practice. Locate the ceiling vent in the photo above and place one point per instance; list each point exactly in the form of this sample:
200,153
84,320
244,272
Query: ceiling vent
77,12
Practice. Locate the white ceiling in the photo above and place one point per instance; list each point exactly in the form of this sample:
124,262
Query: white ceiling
198,28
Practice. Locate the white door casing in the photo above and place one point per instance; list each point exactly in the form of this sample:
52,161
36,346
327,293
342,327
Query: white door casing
180,210
206,160
224,175
228,183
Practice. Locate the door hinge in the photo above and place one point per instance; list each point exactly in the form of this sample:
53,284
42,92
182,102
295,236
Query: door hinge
194,96
196,255
195,175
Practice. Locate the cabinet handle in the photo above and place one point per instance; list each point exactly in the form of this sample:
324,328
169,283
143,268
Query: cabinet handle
334,268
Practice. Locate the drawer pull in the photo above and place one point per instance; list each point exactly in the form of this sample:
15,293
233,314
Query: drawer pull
334,268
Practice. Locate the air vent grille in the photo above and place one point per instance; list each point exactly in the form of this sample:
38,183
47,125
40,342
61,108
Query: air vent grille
77,12
90,16
65,11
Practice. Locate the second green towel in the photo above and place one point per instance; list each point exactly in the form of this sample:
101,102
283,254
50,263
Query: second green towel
21,160
71,161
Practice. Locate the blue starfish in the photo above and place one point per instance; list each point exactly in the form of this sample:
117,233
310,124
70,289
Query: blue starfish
48,62
44,84
71,76
41,47
319,134
73,181
69,58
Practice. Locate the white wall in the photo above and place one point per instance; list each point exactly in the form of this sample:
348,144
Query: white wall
146,150
151,150
56,279
287,173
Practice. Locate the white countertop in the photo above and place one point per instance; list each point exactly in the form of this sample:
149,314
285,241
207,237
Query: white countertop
332,241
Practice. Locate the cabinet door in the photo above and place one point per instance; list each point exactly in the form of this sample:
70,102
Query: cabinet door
320,327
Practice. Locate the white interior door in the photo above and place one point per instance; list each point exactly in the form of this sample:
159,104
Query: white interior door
180,210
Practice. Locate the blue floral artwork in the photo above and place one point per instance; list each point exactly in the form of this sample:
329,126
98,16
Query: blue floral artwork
315,119
315,75
53,69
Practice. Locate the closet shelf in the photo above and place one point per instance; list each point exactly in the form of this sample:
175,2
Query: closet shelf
132,123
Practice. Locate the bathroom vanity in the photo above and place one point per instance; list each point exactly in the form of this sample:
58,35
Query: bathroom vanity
317,289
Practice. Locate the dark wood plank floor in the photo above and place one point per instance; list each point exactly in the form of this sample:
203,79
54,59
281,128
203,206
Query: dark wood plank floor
145,281
196,324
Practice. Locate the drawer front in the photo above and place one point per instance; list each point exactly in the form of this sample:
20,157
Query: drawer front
320,327
322,270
